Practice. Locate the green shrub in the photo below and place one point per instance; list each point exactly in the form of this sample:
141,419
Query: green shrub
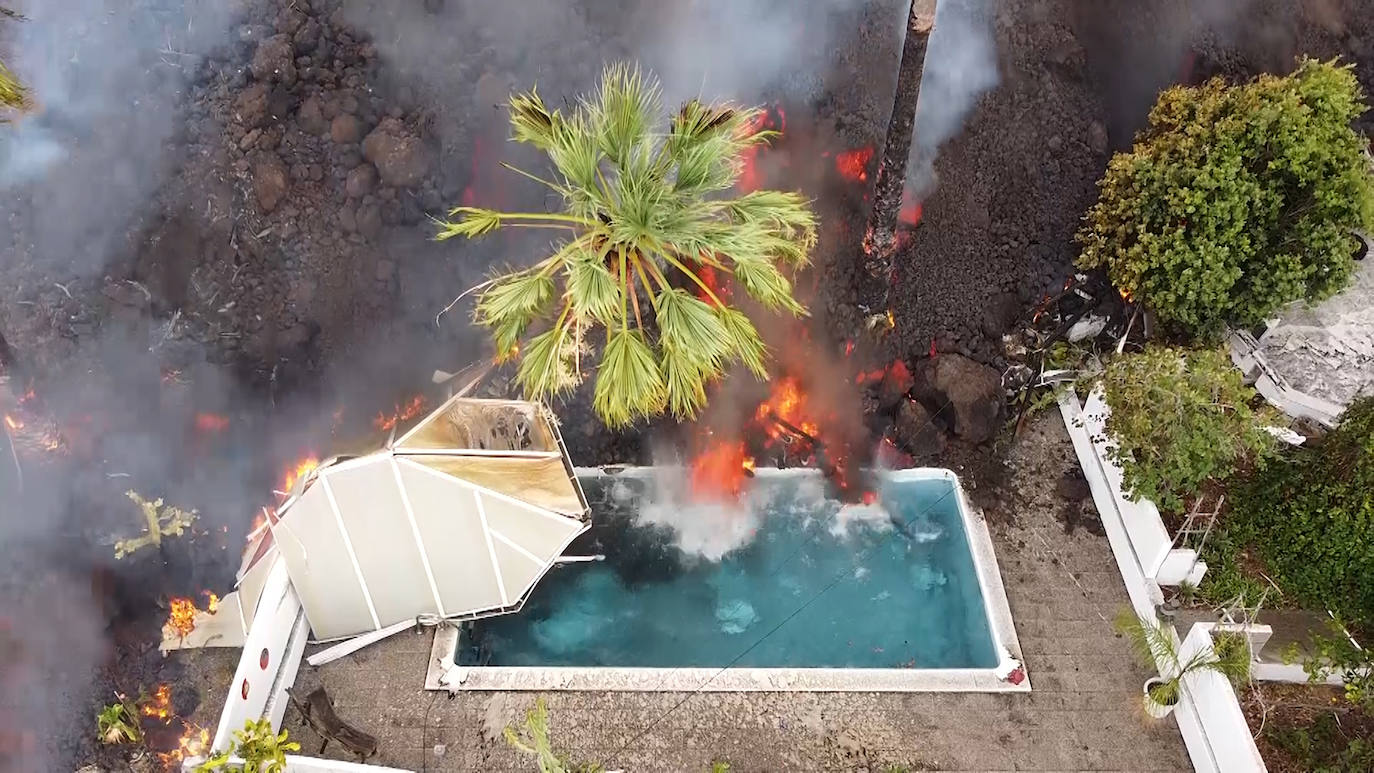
1236,200
1312,517
1179,419
1323,747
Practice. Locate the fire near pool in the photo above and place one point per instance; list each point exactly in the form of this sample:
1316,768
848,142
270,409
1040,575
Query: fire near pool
785,590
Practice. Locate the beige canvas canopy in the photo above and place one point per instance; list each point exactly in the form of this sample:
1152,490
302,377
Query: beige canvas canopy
458,517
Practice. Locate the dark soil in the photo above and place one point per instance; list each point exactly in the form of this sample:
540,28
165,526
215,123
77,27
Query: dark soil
244,242
1300,728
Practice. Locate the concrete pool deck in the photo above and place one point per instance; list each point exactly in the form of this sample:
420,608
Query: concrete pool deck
1063,589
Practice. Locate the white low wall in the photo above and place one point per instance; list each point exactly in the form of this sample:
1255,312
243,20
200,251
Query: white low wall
313,765
1150,540
1207,712
271,656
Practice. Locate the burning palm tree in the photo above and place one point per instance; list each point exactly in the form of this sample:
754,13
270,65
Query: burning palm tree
648,239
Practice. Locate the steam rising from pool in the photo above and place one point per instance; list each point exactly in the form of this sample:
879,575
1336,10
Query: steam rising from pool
708,530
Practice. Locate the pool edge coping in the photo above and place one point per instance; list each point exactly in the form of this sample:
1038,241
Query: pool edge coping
717,679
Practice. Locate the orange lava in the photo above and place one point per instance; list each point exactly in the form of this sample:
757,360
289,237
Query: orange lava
159,704
211,422
853,164
412,408
719,472
771,119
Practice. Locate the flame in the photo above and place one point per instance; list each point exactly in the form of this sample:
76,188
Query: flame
406,412
211,601
1126,296
295,472
182,617
787,402
159,704
14,424
211,422
195,742
853,164
719,471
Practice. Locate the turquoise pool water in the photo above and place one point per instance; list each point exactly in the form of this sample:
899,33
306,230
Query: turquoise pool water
888,587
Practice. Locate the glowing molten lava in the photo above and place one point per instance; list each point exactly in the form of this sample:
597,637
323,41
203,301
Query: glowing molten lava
771,119
412,408
719,472
211,422
159,704
853,164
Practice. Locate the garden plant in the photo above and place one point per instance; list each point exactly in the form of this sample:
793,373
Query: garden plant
262,750
1156,645
1236,200
1180,418
649,243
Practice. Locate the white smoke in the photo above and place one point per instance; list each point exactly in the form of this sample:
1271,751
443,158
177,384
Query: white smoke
960,66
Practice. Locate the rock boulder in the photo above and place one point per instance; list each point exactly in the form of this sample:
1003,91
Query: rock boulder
400,156
969,394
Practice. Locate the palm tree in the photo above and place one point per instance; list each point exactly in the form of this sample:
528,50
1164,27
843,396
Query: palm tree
650,249
11,91
880,238
1157,646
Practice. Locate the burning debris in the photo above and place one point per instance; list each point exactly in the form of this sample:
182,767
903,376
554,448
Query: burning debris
411,409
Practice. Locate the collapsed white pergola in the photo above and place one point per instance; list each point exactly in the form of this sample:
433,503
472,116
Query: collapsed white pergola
454,519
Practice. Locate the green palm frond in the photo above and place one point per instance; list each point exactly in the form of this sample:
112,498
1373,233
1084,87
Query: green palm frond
766,284
629,383
548,363
472,222
11,91
592,291
642,214
532,122
623,115
745,341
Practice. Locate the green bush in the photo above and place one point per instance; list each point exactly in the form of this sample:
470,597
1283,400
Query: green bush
1312,517
1236,200
1179,419
1323,746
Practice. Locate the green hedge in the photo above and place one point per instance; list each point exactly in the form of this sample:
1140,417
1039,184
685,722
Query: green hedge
1236,200
1311,518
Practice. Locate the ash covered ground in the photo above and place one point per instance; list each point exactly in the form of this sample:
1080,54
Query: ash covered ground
220,209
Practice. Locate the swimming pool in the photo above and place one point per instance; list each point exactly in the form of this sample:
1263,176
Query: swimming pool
788,588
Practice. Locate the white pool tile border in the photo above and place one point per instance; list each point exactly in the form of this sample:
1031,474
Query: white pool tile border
990,585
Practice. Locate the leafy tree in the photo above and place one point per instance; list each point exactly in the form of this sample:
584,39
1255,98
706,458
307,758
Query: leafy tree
159,521
1179,419
645,228
1236,200
1312,516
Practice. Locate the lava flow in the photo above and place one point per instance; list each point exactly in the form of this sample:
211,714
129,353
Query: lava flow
771,119
719,471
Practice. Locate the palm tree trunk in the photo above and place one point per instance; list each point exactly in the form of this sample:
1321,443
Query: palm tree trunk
880,239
